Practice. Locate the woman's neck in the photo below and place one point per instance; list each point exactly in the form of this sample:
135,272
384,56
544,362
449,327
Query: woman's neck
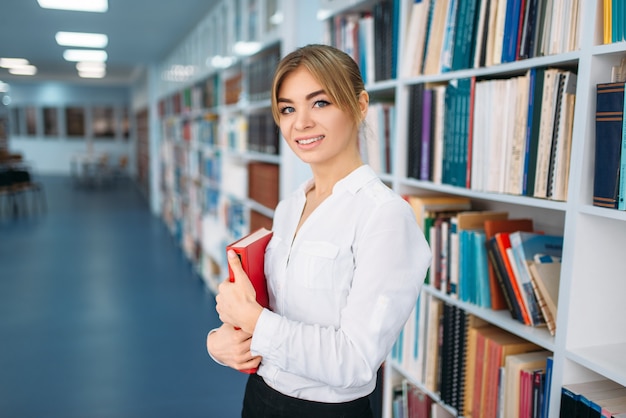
325,178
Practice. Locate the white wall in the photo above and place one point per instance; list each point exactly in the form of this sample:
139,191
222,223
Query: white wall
52,155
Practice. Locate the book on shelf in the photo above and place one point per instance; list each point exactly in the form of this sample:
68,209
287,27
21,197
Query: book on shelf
434,47
513,365
424,205
452,355
413,55
554,122
457,136
500,294
571,394
379,148
416,403
465,34
431,371
438,411
558,163
545,277
502,247
525,247
499,344
590,405
474,323
415,130
608,146
263,183
467,238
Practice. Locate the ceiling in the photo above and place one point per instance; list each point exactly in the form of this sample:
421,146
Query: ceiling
140,32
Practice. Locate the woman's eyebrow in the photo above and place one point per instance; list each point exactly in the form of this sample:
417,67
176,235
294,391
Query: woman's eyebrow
308,96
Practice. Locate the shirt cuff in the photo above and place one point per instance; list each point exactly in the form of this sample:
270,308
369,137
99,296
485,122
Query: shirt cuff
264,332
214,359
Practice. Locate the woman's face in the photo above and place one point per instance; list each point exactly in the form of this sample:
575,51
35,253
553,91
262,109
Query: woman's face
314,127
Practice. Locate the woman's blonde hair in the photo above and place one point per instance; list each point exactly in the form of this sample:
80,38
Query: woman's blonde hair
335,70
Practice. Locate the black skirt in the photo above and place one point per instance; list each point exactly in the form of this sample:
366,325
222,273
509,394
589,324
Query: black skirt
261,401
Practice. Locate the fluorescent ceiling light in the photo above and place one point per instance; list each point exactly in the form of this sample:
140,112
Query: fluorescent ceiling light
23,70
4,87
91,69
87,40
219,61
13,62
85,55
247,48
90,66
77,5
92,74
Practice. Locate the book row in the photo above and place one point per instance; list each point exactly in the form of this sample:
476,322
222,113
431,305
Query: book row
463,34
370,38
593,399
613,14
490,260
475,368
460,134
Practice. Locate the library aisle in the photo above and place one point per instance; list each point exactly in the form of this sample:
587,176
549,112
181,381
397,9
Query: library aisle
101,315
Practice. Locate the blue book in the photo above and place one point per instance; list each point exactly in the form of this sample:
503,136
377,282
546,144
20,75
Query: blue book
622,168
449,36
511,30
526,246
609,128
466,266
468,35
546,388
483,292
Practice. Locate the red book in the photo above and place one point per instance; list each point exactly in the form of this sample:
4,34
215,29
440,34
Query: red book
492,226
503,242
251,252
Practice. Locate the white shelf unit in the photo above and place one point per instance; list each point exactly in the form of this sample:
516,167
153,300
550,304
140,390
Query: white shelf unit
590,339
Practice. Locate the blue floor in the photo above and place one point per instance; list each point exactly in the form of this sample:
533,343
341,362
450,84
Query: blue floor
101,315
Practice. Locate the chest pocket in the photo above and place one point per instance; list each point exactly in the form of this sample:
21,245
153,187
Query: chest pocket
316,264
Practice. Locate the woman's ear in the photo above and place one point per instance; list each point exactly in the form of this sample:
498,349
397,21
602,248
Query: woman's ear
364,101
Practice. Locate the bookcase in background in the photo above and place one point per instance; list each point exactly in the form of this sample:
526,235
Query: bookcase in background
221,165
455,64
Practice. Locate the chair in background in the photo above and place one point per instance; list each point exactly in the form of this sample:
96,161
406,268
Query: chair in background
24,186
16,184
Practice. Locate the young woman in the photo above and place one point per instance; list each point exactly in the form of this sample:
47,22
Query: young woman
344,267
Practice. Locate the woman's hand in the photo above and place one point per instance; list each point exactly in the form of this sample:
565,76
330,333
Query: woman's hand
236,301
231,347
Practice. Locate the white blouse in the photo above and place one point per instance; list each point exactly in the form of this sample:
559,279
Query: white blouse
340,291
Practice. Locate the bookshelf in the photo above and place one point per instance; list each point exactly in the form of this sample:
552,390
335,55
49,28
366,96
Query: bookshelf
590,339
221,169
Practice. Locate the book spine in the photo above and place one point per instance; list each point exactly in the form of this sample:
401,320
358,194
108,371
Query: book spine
622,168
609,123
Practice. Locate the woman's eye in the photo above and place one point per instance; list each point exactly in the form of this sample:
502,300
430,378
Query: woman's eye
321,103
286,110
